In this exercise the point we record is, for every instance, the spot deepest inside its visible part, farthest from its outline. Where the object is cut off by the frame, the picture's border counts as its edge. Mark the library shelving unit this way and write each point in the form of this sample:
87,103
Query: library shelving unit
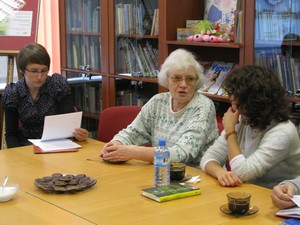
125,50
84,56
133,51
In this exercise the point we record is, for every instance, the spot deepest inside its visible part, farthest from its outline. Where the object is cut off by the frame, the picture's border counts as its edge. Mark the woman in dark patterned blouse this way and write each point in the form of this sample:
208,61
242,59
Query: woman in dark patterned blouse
36,95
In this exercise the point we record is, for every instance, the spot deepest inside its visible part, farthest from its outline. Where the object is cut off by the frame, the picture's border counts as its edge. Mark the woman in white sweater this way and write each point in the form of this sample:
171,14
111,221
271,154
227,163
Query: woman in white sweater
259,142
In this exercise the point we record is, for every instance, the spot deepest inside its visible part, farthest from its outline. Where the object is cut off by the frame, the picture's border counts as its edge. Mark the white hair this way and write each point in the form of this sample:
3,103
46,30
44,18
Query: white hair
178,60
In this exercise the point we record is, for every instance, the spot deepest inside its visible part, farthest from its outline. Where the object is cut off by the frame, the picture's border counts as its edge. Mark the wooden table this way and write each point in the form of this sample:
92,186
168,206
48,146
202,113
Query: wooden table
116,198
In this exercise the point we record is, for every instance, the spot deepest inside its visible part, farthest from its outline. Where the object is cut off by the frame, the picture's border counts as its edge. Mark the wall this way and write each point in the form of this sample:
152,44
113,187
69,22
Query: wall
48,32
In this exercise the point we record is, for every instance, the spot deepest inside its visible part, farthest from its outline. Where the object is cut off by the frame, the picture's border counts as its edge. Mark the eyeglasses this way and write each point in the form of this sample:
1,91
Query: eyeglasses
36,72
188,80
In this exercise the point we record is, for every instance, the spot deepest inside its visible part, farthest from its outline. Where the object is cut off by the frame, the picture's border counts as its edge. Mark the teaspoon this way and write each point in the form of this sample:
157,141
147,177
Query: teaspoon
4,183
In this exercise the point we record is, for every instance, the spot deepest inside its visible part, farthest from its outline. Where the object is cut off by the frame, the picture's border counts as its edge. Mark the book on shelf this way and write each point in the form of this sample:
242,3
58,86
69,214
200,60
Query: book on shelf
137,59
221,12
284,66
184,33
214,77
136,19
239,26
155,23
293,212
206,66
170,192
57,131
191,23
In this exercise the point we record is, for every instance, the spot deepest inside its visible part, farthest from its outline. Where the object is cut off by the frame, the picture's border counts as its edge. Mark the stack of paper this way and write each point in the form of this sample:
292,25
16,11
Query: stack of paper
57,130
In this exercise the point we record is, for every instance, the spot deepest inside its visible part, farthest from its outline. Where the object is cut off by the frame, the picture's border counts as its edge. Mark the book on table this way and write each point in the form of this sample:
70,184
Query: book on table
291,221
58,129
170,192
293,212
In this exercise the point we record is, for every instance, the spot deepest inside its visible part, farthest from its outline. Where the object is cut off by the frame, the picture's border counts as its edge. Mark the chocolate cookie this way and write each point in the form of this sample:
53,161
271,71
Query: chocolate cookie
64,182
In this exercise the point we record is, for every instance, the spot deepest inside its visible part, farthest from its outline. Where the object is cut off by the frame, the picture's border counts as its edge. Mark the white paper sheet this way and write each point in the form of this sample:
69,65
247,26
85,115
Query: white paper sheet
57,129
296,200
54,145
61,126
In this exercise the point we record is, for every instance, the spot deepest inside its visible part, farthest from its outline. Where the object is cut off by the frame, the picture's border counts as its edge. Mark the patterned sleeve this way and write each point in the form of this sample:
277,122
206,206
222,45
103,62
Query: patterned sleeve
9,97
59,87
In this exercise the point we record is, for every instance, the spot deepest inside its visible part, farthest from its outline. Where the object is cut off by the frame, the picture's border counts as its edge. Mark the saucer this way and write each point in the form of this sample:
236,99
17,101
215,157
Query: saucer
186,177
252,210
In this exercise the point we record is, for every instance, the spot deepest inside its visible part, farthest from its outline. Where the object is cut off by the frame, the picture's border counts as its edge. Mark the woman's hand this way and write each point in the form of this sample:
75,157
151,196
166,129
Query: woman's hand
108,147
114,152
281,195
230,119
229,179
225,178
80,134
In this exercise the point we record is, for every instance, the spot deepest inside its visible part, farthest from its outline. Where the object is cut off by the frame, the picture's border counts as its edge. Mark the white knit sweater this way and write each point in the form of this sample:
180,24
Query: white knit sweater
268,157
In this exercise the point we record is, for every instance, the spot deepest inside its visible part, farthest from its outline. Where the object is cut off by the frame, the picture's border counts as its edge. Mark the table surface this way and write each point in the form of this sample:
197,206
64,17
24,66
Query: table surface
116,198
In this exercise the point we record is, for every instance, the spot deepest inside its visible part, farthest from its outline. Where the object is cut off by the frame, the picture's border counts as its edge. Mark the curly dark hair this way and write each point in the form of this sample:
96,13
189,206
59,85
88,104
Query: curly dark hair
259,94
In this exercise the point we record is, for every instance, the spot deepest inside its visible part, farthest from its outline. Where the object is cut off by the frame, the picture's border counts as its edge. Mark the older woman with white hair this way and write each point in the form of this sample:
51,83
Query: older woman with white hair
183,117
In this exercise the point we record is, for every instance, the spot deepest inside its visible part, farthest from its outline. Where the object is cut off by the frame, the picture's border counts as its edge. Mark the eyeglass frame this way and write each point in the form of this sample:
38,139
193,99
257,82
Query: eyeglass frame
188,80
36,72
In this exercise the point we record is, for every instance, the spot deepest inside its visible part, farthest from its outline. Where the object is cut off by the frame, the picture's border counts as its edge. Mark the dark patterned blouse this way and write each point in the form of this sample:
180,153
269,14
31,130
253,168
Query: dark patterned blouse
25,117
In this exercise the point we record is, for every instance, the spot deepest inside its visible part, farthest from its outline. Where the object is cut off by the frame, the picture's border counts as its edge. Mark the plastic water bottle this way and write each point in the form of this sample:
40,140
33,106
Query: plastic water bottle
161,164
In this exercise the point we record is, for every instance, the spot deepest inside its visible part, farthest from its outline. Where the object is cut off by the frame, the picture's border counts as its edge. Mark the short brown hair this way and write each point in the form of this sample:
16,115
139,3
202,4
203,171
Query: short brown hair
32,54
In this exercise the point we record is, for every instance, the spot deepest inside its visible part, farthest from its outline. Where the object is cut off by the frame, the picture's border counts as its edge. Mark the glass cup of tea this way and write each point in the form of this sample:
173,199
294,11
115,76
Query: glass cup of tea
177,171
238,202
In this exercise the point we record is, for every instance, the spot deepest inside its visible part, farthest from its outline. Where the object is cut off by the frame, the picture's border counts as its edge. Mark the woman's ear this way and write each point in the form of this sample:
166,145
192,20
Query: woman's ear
21,72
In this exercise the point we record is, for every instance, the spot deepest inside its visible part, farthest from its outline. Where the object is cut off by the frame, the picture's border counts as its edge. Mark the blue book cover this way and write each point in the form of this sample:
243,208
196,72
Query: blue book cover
291,221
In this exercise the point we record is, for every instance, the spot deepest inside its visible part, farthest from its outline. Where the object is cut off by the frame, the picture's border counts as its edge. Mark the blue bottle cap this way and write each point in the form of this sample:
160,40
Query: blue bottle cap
161,142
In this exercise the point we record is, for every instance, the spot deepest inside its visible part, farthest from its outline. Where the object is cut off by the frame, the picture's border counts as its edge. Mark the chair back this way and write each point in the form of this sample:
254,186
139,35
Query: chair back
114,119
220,124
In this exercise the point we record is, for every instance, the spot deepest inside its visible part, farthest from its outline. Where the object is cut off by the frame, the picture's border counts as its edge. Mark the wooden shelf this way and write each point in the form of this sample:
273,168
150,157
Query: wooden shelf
205,44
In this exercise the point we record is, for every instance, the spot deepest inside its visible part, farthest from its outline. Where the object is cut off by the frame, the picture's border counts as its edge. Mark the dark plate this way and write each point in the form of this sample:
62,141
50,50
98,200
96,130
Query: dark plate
64,183
252,210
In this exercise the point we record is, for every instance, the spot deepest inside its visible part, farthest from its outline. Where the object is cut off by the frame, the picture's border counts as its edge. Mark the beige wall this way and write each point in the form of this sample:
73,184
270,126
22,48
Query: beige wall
48,32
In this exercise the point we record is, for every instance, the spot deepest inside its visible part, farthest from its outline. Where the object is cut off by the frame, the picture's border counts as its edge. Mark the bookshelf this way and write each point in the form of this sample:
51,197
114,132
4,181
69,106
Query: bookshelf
130,51
134,50
83,57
